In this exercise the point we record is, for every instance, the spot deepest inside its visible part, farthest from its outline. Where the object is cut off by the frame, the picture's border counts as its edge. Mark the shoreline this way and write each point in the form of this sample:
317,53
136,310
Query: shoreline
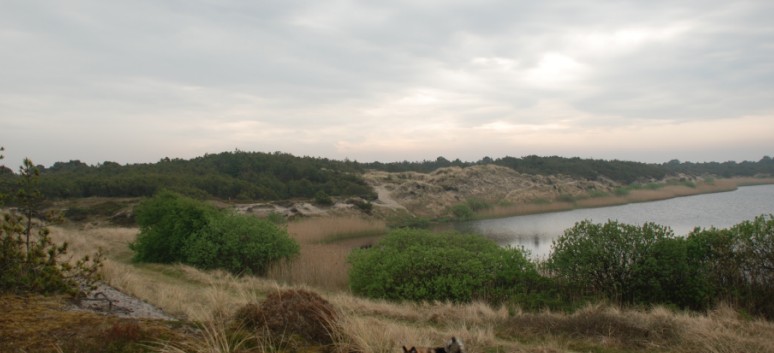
665,192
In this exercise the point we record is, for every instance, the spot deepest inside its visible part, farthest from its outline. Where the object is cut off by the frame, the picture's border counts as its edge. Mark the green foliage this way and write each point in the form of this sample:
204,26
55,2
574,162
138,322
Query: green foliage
363,205
229,175
462,212
411,264
566,198
605,258
322,198
277,218
740,262
670,274
174,228
167,221
238,244
648,265
29,260
404,219
476,204
765,166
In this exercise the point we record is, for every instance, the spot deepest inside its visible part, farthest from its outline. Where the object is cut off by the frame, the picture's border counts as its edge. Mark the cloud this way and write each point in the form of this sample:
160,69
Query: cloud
137,81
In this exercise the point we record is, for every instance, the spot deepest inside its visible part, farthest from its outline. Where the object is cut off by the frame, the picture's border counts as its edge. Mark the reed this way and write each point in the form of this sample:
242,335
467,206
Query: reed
316,230
325,245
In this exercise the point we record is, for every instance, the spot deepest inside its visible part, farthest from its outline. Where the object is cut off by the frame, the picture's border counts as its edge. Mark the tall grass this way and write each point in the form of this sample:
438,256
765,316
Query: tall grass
325,245
375,326
317,230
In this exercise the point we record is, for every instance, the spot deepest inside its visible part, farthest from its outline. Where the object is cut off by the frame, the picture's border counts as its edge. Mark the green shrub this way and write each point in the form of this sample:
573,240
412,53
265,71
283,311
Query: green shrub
462,212
321,198
671,274
604,258
238,244
403,219
411,264
166,222
174,228
566,198
363,205
476,204
739,263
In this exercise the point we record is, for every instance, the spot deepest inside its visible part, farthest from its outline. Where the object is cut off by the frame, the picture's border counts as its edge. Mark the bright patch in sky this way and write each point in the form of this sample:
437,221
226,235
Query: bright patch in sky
141,80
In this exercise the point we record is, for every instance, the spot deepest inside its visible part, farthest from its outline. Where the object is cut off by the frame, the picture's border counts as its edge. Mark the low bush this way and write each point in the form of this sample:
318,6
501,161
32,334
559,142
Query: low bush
294,312
739,263
411,264
606,258
238,244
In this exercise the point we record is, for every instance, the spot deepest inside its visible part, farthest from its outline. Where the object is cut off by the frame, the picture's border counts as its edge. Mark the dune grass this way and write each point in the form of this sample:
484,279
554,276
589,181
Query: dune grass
623,195
375,326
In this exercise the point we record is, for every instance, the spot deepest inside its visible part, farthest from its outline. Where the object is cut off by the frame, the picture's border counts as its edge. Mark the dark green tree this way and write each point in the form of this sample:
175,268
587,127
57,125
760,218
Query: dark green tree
29,259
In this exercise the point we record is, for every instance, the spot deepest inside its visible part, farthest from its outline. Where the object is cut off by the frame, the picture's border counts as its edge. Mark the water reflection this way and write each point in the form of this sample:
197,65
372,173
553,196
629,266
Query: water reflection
537,232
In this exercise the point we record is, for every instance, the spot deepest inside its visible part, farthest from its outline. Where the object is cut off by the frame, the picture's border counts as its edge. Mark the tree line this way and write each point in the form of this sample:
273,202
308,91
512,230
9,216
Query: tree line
229,175
243,175
625,172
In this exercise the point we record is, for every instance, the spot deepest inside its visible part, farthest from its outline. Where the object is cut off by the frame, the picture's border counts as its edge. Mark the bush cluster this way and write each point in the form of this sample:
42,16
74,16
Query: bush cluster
647,264
174,228
421,265
621,263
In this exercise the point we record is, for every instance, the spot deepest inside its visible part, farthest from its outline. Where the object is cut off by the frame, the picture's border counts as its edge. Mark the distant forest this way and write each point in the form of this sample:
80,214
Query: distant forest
242,175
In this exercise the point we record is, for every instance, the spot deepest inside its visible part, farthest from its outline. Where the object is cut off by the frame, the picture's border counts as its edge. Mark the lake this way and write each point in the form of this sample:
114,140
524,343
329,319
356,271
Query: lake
682,214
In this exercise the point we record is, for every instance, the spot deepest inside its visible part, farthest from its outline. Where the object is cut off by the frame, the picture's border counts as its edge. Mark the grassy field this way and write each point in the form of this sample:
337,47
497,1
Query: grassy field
205,300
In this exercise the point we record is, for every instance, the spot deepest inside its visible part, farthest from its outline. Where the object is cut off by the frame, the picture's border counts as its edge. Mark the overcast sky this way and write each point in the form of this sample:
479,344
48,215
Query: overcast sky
135,81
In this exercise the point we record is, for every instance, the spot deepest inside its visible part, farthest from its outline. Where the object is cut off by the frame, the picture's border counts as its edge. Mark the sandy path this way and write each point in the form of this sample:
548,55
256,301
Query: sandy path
385,199
121,305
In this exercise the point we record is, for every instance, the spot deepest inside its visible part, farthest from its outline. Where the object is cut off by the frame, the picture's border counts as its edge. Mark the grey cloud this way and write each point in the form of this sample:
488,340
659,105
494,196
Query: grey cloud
311,63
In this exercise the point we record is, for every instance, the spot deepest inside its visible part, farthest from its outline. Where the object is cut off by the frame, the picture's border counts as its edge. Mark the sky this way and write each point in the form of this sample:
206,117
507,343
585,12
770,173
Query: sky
135,81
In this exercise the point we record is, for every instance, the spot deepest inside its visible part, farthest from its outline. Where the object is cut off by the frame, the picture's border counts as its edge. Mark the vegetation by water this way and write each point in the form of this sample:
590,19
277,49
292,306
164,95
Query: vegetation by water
422,265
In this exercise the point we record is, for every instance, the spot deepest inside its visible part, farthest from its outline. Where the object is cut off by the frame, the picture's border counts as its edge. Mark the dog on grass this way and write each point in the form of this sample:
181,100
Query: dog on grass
453,346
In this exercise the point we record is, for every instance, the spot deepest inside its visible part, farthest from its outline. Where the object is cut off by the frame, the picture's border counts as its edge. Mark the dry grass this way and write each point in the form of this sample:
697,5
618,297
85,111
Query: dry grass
637,195
325,245
372,326
41,324
316,230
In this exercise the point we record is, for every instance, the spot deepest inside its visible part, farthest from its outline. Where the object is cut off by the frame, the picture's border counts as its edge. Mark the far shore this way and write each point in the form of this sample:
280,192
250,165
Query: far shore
639,195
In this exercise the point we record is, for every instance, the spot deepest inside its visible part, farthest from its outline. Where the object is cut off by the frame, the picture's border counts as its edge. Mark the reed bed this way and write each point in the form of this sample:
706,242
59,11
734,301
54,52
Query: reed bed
317,230
325,245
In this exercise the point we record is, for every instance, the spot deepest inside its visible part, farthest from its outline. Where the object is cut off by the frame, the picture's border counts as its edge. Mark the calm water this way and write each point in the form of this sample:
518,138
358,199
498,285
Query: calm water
682,214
